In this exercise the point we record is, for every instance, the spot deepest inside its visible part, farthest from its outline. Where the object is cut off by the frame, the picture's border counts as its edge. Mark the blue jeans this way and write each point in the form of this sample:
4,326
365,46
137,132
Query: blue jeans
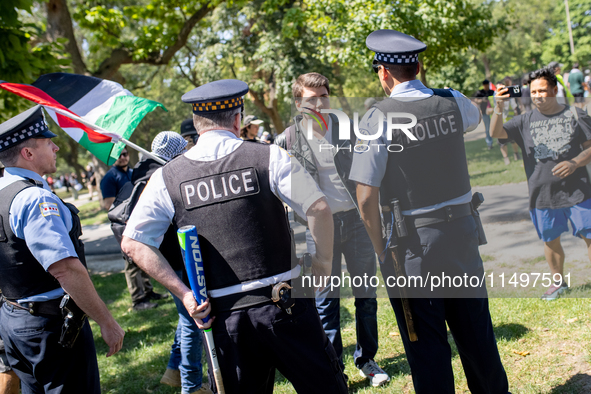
488,138
352,241
185,354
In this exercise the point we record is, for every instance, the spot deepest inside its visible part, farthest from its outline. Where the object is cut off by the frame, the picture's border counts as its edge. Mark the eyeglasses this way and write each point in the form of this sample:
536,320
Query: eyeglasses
124,154
376,66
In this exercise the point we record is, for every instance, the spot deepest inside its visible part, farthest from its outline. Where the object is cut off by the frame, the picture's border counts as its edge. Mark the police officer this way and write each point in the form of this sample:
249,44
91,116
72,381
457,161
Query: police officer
41,258
228,188
423,165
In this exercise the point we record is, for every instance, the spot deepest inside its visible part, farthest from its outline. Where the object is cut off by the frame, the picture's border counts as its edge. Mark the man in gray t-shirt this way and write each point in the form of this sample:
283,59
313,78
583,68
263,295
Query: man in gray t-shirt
556,144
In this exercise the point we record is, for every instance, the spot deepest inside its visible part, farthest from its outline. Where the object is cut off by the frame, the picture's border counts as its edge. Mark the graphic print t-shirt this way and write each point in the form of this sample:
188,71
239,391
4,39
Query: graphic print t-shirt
546,141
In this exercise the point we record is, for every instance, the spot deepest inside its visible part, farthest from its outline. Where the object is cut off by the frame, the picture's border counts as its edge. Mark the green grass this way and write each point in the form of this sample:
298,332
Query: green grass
91,213
486,167
556,334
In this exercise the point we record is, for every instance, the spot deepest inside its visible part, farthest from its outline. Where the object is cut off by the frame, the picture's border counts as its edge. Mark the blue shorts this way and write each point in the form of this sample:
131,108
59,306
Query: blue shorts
550,223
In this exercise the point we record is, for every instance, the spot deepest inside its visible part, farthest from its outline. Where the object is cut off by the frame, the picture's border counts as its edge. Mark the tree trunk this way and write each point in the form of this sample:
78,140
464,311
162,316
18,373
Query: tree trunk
59,25
486,63
424,74
272,111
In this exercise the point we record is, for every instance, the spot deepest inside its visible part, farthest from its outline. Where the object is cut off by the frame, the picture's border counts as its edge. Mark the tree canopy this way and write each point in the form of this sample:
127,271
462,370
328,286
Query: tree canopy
161,49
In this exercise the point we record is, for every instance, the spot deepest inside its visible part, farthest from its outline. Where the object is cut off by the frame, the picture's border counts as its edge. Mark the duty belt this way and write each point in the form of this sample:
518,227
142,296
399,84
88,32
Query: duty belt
51,307
445,214
246,299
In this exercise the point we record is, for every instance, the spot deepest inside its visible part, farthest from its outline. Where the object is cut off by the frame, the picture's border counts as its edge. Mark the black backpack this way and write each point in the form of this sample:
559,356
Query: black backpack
124,204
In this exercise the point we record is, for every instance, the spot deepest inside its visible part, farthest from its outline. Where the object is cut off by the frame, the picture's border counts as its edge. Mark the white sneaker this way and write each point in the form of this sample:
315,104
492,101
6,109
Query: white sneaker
377,376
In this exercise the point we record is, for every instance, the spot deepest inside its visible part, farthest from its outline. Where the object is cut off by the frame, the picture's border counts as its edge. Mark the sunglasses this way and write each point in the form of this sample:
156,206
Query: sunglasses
124,154
376,66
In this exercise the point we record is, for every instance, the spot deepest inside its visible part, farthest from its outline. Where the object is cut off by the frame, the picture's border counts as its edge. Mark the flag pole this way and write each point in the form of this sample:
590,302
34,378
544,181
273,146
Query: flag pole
113,136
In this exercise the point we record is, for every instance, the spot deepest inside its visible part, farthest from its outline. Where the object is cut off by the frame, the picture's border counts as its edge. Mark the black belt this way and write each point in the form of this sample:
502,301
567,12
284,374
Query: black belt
445,214
51,307
237,301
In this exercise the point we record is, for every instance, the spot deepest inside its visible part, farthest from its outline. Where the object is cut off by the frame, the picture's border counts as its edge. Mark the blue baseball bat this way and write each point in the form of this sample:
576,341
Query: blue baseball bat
194,264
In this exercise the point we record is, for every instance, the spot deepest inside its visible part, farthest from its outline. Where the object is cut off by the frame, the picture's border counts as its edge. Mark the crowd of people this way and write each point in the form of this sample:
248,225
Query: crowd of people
408,207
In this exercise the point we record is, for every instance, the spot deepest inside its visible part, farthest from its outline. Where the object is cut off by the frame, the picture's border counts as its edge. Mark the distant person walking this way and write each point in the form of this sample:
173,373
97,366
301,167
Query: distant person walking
486,109
575,84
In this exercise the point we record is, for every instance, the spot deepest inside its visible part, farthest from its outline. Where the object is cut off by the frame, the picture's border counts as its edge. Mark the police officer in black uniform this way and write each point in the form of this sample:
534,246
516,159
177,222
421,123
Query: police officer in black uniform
227,188
421,168
41,258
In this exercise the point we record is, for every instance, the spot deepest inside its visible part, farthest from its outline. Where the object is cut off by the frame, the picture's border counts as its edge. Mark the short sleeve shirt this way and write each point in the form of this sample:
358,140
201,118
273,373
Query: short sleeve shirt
546,141
40,218
114,180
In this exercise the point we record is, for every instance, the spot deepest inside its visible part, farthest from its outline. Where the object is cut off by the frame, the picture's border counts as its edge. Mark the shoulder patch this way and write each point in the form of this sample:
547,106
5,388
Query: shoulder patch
49,208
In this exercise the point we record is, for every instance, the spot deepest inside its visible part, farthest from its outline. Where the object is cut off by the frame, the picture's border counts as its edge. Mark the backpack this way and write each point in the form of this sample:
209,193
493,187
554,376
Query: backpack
123,206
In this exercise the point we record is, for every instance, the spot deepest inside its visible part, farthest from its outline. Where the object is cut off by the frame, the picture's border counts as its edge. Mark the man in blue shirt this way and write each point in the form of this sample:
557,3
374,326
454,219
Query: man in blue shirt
115,179
41,259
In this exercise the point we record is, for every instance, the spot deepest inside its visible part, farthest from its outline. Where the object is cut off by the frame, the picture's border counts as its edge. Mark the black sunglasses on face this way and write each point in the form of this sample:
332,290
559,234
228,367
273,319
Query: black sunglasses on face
123,154
376,67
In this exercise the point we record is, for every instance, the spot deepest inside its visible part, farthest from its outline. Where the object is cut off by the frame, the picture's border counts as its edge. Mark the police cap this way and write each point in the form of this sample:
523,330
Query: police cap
188,128
29,124
217,96
394,47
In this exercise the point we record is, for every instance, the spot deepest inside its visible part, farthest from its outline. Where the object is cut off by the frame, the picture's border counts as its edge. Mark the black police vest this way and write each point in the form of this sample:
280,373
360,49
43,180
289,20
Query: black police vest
243,231
432,169
21,274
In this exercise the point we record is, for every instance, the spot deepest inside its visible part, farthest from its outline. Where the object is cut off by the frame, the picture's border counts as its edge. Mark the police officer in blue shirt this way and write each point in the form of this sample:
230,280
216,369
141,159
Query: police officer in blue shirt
41,259
421,167
227,188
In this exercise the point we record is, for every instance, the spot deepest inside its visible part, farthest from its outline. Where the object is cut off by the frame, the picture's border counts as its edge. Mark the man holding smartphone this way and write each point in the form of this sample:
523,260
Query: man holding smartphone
556,141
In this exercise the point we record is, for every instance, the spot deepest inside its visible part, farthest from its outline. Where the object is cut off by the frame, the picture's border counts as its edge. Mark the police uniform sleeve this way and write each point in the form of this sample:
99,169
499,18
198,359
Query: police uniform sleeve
370,157
290,182
470,113
43,221
152,214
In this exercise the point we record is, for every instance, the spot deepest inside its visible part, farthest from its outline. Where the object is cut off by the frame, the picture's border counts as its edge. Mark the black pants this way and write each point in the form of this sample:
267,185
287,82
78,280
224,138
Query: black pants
252,342
451,248
138,282
43,365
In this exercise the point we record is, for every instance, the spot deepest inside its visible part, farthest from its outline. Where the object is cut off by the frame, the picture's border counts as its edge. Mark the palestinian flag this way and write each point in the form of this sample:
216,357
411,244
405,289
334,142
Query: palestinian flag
99,102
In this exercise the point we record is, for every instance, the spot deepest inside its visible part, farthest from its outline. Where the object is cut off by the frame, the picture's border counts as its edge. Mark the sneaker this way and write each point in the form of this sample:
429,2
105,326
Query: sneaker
516,156
144,304
156,296
377,376
554,292
507,161
171,377
202,390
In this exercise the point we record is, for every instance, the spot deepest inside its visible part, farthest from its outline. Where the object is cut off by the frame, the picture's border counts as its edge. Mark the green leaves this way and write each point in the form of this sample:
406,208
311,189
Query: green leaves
20,60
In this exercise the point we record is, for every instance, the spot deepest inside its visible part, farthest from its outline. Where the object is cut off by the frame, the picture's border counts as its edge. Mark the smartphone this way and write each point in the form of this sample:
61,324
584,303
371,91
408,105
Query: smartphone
514,90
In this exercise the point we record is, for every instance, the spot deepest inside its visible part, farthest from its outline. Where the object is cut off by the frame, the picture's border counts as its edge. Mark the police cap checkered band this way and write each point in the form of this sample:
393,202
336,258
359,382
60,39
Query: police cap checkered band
168,145
217,96
394,47
29,124
218,106
397,59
